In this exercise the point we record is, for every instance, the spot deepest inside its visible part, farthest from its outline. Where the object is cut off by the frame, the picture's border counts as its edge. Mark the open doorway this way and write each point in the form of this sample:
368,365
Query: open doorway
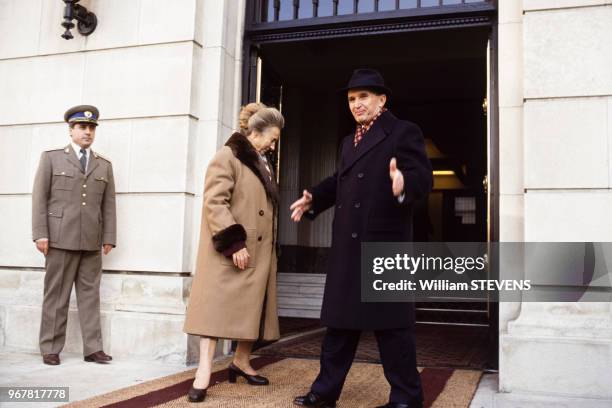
439,81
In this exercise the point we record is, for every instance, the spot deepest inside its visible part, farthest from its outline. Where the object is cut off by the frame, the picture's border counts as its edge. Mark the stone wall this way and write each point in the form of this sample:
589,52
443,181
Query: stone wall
556,175
166,78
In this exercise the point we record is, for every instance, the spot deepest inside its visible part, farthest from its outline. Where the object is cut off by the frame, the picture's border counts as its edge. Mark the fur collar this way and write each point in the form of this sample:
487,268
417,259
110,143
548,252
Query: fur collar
243,150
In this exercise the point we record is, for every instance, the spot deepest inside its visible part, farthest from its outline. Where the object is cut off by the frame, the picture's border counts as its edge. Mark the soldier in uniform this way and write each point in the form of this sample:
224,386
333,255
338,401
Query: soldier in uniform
73,221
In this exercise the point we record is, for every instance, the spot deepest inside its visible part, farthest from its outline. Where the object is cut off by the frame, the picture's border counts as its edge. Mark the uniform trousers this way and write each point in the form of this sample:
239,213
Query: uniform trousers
63,269
398,357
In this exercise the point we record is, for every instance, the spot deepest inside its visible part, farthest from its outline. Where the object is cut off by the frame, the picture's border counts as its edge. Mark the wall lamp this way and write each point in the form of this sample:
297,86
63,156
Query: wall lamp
86,20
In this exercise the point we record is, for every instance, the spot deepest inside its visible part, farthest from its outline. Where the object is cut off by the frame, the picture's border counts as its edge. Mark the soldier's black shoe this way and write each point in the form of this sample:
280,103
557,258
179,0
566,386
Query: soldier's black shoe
99,357
313,400
51,359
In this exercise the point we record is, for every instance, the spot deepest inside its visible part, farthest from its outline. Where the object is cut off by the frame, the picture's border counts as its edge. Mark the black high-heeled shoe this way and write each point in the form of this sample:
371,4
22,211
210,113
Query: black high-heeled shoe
196,394
251,379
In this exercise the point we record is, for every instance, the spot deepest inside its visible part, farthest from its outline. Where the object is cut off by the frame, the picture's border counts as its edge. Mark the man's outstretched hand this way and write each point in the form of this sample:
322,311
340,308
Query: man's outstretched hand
397,178
300,206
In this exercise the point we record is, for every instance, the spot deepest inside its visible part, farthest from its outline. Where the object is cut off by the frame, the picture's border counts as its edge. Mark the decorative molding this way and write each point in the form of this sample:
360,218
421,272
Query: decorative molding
356,30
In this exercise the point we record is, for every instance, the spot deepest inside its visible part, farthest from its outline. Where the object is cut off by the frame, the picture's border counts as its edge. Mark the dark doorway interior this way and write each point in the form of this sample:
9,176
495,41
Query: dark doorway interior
439,81
437,345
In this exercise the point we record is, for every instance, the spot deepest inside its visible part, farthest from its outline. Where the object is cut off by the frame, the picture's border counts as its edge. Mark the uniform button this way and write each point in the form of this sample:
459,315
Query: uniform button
84,195
339,205
360,175
63,173
259,238
354,235
261,212
84,185
357,205
84,203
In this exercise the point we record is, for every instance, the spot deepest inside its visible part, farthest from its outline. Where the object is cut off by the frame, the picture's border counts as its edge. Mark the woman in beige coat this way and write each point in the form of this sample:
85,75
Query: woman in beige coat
233,295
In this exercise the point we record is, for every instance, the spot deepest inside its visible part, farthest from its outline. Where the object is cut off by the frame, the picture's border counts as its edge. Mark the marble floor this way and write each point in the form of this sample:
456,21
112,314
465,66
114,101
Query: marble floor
83,379
487,396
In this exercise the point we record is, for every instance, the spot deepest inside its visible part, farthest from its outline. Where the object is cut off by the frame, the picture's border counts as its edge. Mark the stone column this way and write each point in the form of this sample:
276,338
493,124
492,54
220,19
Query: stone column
562,350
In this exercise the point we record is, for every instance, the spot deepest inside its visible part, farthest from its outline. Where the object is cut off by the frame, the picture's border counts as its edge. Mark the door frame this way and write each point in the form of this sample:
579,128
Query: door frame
399,21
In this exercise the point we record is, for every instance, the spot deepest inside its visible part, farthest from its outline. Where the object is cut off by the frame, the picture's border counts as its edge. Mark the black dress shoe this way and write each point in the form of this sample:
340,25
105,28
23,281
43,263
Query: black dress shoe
234,372
51,359
395,405
99,357
196,394
313,400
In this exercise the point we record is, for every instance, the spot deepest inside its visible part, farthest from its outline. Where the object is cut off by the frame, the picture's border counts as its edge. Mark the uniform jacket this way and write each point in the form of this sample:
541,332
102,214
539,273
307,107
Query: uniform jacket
367,211
74,210
239,205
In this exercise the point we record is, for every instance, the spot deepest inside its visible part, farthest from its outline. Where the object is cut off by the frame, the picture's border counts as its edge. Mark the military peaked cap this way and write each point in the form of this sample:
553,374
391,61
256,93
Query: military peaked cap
82,114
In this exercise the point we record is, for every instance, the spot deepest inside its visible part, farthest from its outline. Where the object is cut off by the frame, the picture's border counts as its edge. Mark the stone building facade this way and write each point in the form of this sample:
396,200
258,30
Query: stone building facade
167,79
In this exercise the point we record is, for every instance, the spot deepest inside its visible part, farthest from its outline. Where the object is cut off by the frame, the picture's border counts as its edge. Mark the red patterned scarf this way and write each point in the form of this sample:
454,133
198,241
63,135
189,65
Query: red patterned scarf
362,129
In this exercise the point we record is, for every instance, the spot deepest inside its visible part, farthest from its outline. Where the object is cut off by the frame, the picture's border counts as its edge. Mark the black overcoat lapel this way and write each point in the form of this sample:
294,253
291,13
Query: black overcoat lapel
377,133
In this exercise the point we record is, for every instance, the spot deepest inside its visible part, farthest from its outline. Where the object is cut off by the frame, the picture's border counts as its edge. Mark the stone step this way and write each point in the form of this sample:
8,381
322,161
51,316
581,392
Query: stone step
301,278
451,316
300,301
300,295
300,290
305,313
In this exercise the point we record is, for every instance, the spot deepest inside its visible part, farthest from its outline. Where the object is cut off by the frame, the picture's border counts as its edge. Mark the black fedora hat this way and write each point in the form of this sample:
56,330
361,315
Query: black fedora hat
367,79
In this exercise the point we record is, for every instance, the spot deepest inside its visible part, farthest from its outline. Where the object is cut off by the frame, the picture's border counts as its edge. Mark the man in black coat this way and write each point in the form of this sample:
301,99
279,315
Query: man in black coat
383,169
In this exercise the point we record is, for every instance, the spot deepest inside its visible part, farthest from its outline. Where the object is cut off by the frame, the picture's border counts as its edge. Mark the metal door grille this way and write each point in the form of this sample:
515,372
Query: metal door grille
287,10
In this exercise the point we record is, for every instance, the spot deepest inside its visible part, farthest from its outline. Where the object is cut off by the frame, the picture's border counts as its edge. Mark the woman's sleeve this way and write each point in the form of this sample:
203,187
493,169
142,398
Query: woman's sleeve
227,235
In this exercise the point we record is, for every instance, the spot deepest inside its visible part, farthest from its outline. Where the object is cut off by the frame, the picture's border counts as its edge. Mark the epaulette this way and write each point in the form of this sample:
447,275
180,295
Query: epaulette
99,156
54,150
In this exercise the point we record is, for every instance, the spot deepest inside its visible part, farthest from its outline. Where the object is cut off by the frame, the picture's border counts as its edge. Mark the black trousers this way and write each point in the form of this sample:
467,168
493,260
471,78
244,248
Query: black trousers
398,355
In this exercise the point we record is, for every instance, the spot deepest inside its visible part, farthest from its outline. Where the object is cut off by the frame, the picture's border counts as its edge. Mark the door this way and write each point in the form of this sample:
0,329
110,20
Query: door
491,184
266,87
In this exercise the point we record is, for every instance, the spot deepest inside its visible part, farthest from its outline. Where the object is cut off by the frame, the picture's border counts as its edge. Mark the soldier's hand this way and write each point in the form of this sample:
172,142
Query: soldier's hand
106,248
397,178
43,246
300,206
241,258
